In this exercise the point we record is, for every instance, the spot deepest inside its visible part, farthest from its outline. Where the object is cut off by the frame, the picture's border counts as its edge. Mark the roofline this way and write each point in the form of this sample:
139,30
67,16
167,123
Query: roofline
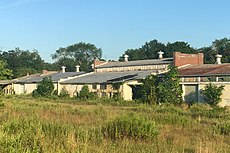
196,75
134,65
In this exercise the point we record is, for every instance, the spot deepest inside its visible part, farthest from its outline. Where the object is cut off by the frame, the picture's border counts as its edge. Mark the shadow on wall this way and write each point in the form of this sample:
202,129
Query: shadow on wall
192,97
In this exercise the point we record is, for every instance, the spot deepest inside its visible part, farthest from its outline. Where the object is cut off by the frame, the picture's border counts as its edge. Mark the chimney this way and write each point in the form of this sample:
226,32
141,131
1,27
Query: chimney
126,57
63,69
77,68
160,53
218,59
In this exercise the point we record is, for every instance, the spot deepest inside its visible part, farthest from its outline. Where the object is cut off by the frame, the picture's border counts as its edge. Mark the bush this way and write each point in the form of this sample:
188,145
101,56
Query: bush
130,126
44,88
85,94
224,128
64,93
213,94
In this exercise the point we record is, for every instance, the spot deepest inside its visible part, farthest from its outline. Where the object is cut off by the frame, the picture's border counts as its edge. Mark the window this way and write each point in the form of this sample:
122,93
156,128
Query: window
94,86
224,79
102,86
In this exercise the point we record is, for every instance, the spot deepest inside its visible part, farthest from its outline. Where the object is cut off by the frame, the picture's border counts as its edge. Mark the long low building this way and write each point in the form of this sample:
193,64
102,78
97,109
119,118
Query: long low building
103,83
194,78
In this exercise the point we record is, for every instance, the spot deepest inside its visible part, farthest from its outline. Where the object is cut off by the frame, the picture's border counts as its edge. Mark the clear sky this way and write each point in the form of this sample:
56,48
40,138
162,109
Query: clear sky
113,25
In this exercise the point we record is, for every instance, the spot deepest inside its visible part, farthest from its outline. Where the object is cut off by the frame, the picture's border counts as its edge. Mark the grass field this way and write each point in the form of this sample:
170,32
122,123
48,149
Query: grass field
46,125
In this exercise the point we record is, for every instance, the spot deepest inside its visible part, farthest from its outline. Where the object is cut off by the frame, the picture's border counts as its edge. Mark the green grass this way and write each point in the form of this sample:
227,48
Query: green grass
67,125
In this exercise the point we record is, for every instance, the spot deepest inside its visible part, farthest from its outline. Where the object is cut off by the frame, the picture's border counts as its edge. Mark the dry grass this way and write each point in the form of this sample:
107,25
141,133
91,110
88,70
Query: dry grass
45,125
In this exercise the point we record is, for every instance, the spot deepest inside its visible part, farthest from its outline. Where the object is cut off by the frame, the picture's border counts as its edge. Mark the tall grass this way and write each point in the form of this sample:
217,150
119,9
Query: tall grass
46,125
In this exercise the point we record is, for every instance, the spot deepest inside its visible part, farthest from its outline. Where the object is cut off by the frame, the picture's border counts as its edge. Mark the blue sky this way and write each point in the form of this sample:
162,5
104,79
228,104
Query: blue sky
113,25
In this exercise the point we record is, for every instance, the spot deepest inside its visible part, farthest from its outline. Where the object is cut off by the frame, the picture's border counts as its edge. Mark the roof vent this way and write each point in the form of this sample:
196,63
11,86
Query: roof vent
218,59
63,69
126,57
77,68
160,53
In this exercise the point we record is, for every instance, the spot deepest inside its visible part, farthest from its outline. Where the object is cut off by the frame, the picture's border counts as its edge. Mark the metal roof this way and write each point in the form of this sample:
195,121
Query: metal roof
5,82
205,70
109,77
136,63
55,77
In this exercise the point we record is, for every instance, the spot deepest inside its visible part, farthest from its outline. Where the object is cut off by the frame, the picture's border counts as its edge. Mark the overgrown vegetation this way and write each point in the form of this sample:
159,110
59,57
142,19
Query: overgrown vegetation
85,93
213,94
162,88
43,125
44,88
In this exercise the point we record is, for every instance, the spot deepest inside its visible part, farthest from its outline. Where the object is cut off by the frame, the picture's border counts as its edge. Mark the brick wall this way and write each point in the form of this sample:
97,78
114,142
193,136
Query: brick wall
98,62
180,59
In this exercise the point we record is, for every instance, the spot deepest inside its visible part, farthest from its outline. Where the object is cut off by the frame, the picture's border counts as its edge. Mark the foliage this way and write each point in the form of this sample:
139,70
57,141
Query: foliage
44,125
85,93
64,93
225,128
168,89
213,94
22,62
5,73
81,54
148,89
44,88
130,126
150,50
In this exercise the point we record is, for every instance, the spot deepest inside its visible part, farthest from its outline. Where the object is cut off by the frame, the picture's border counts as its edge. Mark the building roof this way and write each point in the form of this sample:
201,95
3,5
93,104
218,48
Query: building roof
205,70
55,77
136,63
109,77
5,82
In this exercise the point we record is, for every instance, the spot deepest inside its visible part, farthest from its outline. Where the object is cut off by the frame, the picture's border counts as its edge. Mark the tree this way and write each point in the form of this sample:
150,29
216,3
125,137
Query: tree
148,89
81,54
213,94
179,46
4,72
22,62
150,50
219,46
168,89
44,88
85,93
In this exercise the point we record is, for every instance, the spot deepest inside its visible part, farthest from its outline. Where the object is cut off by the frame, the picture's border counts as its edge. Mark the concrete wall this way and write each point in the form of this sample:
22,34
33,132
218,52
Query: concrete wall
180,59
192,91
27,88
162,67
126,92
72,89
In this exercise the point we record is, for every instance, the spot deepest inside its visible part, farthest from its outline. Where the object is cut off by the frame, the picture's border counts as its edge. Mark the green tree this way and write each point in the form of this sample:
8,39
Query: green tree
4,72
150,50
85,93
168,89
179,46
213,94
22,62
81,54
44,88
219,46
148,89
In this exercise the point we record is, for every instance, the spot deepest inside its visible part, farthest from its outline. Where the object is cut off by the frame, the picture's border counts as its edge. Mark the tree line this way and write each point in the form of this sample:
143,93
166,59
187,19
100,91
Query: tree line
16,63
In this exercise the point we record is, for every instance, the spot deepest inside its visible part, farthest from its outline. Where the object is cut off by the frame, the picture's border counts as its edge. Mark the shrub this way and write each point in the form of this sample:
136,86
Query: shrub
64,93
213,94
1,104
44,88
224,128
130,126
85,93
